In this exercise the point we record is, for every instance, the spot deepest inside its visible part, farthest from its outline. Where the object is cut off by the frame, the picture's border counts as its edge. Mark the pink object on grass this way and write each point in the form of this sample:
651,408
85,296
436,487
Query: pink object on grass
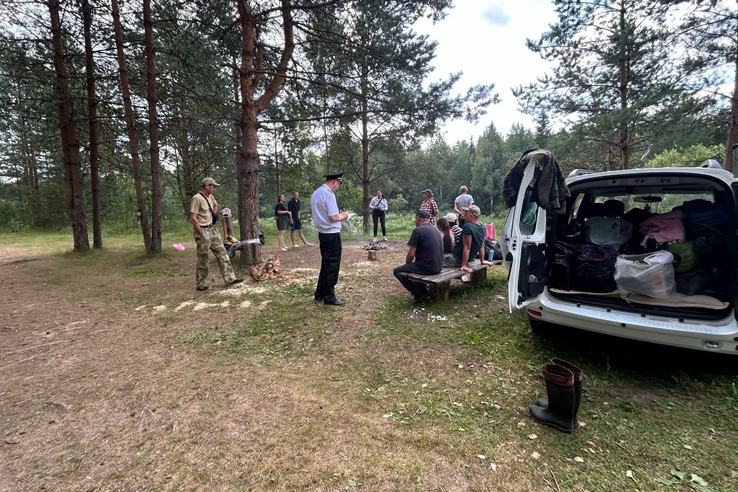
178,247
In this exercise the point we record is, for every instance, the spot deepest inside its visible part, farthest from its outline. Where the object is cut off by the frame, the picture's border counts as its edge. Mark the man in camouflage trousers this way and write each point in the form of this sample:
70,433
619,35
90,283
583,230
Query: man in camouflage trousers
202,217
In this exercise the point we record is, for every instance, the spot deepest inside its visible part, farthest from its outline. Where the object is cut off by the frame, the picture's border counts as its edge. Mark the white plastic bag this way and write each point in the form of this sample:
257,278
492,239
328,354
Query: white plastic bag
650,274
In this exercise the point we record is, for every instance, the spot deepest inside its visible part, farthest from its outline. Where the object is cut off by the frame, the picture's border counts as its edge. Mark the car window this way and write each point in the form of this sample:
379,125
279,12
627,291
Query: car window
657,203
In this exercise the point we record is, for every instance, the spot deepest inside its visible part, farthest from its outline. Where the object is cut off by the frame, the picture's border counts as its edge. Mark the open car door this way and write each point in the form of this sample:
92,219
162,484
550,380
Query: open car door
526,242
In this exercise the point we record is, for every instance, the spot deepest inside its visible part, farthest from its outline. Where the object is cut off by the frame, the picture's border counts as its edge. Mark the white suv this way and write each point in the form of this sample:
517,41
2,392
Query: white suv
540,275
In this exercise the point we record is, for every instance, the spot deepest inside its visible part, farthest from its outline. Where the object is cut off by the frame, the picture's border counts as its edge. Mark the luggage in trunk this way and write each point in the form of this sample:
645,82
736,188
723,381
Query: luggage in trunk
594,268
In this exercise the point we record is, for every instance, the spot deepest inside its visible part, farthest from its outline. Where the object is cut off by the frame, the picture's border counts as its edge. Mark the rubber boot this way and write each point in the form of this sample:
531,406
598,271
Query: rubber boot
560,390
578,376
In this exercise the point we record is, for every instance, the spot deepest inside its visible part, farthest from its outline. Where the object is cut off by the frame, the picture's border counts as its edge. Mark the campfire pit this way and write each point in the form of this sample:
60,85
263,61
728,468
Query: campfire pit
373,247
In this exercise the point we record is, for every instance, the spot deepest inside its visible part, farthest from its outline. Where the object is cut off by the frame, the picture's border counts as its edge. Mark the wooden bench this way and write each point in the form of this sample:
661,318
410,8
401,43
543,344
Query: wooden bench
440,283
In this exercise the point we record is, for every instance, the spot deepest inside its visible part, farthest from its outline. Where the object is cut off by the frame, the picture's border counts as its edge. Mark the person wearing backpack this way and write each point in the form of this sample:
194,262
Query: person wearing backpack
203,218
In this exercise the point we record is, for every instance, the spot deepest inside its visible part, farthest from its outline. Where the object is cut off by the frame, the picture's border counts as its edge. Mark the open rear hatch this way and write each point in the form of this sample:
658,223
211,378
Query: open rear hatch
613,215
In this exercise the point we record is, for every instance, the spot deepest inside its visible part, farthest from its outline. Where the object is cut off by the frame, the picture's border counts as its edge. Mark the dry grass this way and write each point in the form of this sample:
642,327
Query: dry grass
117,375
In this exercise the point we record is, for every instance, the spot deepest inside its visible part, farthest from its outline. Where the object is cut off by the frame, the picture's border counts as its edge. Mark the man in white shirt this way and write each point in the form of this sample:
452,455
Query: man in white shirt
327,220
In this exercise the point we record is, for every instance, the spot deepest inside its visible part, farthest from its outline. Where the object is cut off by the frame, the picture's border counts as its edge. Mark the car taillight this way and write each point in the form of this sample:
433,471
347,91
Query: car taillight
538,313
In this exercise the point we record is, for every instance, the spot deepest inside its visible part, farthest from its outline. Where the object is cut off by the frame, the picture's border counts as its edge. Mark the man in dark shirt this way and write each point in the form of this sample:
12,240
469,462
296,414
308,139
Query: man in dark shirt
294,207
426,248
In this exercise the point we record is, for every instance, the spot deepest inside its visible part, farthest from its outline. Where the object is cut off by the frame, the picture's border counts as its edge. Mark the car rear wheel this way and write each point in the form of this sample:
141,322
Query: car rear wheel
539,327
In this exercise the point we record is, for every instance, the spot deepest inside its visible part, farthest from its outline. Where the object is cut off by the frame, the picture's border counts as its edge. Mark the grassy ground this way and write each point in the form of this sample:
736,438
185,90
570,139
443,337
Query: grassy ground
117,375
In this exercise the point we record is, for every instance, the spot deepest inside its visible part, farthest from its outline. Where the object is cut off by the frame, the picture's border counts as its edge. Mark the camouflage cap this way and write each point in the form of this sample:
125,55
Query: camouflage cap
472,209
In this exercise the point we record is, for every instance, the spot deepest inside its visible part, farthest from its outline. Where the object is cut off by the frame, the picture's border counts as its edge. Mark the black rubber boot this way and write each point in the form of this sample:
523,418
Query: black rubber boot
560,389
578,376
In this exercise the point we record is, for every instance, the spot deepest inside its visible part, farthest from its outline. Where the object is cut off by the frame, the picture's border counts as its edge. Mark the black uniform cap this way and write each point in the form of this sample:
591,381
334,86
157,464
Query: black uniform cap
334,175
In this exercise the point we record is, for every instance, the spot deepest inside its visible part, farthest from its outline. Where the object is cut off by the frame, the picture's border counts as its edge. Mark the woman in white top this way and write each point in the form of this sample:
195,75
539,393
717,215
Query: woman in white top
378,206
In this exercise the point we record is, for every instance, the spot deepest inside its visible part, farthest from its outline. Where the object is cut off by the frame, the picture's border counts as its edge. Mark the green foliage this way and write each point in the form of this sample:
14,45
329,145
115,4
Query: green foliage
398,203
615,74
690,156
356,60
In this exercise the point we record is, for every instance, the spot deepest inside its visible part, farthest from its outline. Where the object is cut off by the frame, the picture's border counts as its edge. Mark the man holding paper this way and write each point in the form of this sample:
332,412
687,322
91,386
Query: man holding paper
327,219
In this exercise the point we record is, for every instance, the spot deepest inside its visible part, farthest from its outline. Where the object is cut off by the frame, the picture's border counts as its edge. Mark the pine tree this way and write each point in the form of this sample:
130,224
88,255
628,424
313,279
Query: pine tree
711,33
616,72
371,67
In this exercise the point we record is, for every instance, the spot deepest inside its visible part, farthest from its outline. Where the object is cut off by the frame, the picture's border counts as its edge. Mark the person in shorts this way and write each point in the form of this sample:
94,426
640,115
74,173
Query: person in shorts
294,207
284,219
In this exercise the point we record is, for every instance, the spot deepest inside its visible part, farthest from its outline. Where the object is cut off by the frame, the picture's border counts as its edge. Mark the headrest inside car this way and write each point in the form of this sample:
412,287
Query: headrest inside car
613,208
593,210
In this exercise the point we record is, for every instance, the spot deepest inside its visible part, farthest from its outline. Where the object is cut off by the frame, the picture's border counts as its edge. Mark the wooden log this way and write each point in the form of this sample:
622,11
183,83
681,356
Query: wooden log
479,276
439,292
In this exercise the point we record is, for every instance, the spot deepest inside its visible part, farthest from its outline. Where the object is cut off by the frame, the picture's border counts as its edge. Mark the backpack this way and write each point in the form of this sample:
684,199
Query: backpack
594,268
685,258
492,247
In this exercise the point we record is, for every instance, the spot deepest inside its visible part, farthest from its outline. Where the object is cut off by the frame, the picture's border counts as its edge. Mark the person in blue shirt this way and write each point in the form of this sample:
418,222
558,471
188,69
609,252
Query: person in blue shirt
327,220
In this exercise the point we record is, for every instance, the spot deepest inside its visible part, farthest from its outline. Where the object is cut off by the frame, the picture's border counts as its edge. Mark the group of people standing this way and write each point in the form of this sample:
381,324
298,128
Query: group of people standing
288,217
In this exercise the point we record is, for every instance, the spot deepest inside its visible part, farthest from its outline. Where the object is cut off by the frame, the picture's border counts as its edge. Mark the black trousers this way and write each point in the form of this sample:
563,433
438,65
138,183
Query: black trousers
418,290
330,264
378,215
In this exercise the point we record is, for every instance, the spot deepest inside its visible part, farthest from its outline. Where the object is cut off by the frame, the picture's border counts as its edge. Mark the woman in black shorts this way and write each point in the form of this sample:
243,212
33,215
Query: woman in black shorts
284,219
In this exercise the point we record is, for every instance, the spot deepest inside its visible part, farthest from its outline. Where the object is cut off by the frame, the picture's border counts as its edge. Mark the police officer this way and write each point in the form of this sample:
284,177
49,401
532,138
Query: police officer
327,220
203,219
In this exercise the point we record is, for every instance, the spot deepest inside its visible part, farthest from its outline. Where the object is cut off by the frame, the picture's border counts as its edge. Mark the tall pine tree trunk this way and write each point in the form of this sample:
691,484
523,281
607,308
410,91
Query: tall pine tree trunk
277,184
156,194
185,172
132,136
733,129
248,155
250,74
75,204
92,123
624,76
365,177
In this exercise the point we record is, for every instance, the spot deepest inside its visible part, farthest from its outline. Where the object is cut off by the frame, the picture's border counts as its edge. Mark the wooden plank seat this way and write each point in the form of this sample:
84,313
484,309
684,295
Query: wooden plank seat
440,283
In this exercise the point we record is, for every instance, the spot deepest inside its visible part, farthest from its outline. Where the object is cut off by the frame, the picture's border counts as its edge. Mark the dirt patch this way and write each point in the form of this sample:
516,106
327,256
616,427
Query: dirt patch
94,396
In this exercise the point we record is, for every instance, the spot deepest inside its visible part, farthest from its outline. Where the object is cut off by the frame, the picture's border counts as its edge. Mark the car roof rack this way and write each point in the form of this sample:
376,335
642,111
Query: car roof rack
711,163
580,172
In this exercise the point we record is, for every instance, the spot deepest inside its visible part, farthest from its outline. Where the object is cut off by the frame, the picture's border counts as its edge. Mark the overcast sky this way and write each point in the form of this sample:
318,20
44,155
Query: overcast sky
486,41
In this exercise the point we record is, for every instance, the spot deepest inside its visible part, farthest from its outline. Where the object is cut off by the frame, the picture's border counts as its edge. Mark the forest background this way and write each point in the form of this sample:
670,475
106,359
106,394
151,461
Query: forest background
111,114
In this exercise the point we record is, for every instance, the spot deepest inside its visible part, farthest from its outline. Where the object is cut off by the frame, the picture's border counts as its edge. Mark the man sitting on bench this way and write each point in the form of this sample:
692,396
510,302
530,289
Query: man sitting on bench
426,248
472,241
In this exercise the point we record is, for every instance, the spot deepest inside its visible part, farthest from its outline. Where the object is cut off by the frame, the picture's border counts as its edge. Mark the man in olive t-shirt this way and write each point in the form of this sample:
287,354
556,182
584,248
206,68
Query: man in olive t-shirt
426,248
472,242
202,217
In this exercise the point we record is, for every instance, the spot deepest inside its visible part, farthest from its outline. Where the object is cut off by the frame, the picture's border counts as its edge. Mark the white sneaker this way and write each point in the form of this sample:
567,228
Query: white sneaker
295,245
385,238
375,239
285,249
